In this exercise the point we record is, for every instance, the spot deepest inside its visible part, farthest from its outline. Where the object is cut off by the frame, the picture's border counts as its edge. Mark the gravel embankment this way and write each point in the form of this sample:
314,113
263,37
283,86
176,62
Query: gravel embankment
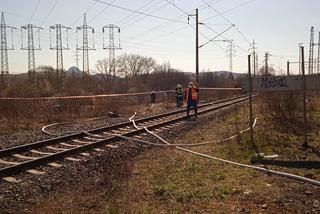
23,196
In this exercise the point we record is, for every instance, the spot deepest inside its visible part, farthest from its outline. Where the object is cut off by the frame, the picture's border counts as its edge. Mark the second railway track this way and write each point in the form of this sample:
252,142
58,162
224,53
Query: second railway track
17,159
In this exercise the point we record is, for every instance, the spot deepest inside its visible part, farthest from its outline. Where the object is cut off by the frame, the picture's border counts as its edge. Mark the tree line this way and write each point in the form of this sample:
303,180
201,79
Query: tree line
128,73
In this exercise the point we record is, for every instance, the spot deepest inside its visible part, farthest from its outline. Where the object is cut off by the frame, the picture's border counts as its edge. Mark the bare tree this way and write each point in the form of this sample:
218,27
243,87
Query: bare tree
102,67
133,65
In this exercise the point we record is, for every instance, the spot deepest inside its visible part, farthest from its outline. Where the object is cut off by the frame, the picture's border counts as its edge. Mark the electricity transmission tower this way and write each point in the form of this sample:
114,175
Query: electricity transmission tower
4,49
231,54
255,56
311,50
85,44
30,30
59,46
114,44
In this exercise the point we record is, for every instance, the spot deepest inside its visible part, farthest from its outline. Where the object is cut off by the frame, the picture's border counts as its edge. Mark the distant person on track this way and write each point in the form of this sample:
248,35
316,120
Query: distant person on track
179,95
191,95
153,97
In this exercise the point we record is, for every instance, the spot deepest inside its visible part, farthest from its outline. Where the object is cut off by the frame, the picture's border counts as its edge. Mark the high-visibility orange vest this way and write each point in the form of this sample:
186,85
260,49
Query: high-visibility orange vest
194,94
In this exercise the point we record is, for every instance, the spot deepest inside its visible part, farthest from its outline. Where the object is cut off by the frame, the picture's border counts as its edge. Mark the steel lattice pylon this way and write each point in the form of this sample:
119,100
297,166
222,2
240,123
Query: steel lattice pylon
112,46
4,49
59,45
85,44
30,30
311,50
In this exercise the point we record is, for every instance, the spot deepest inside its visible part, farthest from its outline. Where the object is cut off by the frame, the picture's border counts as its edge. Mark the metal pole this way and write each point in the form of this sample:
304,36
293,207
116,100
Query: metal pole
311,51
305,143
266,63
254,64
288,68
300,44
197,47
318,62
250,101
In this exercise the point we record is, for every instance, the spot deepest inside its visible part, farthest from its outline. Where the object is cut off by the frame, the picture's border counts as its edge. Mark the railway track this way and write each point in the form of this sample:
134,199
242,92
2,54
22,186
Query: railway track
25,157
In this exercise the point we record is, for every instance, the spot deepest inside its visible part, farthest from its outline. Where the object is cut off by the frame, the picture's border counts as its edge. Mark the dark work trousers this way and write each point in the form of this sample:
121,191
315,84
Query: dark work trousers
194,104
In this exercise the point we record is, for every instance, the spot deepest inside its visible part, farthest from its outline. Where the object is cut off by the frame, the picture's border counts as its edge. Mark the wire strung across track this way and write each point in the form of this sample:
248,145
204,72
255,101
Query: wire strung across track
178,146
20,158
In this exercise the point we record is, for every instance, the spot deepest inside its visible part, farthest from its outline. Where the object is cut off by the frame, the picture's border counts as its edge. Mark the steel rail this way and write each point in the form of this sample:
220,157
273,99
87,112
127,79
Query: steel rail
15,169
39,144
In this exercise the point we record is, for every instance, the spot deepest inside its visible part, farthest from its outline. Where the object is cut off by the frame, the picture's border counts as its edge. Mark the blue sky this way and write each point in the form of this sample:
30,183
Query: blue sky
276,25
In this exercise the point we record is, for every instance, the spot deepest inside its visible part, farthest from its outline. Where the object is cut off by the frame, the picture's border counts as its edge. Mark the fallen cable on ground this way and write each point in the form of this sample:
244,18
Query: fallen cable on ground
268,171
184,144
44,128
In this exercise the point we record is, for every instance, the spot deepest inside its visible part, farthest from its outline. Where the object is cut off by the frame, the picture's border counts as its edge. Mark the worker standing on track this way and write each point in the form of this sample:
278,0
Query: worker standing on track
179,95
192,98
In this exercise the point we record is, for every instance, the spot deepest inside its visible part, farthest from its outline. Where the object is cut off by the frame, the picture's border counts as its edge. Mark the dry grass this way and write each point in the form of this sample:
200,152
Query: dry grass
171,181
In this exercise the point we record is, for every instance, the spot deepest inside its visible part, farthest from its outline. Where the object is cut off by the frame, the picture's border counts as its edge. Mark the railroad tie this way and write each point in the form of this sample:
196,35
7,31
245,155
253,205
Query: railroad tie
94,135
99,150
40,153
24,157
85,154
92,139
53,164
81,142
106,133
68,145
112,146
139,137
35,172
11,180
116,131
8,162
73,159
56,149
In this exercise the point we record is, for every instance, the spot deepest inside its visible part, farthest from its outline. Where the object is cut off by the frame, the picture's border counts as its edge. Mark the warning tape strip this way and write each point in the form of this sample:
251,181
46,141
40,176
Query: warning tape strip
109,95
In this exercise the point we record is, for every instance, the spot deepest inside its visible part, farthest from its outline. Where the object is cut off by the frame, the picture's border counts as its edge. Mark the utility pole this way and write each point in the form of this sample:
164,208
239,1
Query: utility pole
257,64
4,50
85,44
197,43
305,143
300,45
253,47
288,68
311,50
266,69
230,52
59,45
112,46
318,58
31,47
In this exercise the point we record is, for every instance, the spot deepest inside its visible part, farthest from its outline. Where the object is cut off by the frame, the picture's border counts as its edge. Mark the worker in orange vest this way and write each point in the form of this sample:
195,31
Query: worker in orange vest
192,98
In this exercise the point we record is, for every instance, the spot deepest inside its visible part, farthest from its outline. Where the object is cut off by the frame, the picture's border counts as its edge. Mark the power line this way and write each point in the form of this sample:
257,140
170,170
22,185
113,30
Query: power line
50,11
231,9
138,12
86,11
166,24
98,14
132,14
35,10
155,10
225,18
